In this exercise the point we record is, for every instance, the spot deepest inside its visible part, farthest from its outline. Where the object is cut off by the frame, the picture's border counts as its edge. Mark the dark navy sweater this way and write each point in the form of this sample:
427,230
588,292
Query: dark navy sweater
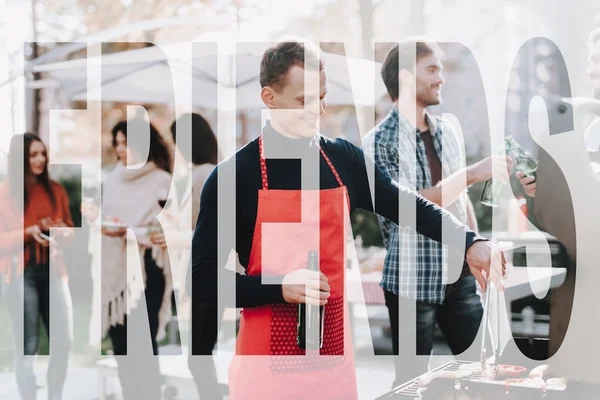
285,173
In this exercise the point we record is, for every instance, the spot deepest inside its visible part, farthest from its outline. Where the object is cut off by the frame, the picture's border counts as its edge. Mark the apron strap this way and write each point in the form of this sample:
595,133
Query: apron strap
335,173
263,165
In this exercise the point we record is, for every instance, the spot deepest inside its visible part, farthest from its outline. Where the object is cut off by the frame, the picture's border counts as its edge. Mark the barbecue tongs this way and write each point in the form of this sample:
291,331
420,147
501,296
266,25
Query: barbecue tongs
486,327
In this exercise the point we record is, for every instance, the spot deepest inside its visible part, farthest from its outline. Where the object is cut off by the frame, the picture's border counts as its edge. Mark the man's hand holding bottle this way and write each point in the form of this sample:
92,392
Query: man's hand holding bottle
304,286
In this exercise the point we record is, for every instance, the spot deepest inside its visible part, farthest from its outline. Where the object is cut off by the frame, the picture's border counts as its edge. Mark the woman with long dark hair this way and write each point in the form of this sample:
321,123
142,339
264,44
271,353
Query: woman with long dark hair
202,159
32,269
204,319
134,194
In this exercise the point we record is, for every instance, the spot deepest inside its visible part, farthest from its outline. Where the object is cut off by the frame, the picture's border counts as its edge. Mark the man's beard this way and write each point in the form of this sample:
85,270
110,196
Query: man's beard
428,99
434,102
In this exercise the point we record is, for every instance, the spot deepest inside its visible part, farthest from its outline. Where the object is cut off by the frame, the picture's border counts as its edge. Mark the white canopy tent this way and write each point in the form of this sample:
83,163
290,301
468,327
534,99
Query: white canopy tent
154,74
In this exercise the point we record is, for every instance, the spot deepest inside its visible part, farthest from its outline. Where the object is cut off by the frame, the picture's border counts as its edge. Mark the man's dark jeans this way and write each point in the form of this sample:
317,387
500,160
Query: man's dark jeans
459,318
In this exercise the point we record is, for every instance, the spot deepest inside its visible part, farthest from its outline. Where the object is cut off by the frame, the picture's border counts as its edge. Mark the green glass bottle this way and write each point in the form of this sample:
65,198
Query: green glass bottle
522,161
310,317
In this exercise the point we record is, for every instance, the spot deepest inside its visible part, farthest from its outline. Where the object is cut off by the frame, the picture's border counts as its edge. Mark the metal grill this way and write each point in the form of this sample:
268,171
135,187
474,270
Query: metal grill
410,388
481,389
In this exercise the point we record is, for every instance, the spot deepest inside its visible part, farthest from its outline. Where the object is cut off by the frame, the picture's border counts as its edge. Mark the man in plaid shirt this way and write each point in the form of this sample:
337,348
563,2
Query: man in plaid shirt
407,145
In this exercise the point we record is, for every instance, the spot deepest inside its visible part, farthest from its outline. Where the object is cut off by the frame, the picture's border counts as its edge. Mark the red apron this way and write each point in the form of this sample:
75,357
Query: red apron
268,363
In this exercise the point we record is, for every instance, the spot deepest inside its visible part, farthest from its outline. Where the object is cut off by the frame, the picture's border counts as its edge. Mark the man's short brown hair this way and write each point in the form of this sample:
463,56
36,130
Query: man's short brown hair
400,57
278,59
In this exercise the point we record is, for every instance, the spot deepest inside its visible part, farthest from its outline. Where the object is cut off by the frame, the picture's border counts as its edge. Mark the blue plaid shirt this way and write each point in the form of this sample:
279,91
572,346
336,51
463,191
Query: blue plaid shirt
396,147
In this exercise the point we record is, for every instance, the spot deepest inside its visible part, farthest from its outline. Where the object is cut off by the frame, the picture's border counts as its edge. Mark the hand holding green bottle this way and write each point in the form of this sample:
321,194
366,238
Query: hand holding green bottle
523,162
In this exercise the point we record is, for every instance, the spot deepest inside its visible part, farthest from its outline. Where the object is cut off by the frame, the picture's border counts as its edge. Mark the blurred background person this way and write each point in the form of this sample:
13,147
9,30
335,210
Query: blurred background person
593,69
552,192
134,193
204,318
32,269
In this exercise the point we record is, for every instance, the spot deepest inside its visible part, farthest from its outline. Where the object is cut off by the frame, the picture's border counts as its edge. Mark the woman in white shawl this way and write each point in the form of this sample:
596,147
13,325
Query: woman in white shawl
134,194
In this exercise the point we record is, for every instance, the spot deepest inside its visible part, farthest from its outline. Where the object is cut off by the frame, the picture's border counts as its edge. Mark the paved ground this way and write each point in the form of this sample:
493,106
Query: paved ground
375,375
374,378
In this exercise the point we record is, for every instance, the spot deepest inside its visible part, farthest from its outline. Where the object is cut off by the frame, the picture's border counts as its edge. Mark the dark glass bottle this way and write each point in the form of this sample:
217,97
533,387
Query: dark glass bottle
310,317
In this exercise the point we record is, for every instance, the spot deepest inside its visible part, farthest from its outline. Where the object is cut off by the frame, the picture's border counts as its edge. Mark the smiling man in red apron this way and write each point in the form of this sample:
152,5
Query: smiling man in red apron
281,215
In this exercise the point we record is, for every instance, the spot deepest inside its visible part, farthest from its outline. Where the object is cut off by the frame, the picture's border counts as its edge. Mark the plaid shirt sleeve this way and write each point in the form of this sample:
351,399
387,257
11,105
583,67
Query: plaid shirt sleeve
382,148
